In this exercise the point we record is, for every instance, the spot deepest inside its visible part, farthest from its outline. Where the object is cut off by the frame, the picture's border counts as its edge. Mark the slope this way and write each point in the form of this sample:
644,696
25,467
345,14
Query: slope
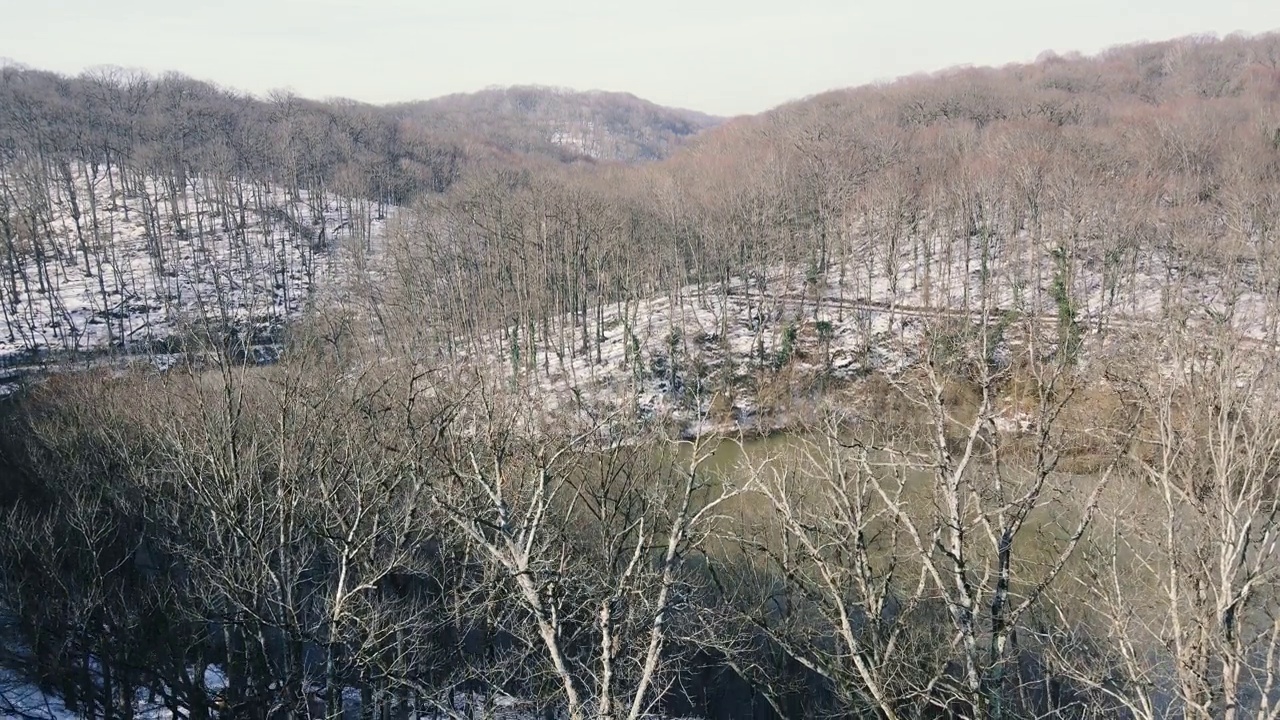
560,123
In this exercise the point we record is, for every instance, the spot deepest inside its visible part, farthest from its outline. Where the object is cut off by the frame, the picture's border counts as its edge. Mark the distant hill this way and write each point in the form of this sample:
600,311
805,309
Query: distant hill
560,123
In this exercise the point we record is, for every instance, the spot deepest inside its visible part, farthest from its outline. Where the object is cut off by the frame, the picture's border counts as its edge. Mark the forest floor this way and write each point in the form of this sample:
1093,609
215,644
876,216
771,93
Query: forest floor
152,265
755,358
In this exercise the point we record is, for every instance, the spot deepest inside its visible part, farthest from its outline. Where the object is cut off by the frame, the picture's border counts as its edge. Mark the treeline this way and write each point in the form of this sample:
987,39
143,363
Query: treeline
162,125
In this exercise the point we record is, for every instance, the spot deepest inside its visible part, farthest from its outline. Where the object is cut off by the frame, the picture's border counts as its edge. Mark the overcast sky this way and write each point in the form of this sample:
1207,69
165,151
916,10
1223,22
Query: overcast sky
718,56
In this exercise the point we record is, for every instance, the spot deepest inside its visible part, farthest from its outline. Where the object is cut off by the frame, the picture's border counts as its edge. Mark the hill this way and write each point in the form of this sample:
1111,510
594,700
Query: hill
131,205
561,123
1127,196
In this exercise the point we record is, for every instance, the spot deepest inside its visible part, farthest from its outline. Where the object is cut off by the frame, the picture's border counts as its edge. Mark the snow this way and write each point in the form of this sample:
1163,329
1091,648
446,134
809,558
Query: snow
19,700
23,701
580,136
851,321
135,289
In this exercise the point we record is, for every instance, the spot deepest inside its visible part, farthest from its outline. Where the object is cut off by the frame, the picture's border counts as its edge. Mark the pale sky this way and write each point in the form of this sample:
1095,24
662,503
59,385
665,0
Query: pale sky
720,56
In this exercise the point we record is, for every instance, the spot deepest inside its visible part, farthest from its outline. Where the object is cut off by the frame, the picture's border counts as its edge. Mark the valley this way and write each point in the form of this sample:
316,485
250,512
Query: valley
955,396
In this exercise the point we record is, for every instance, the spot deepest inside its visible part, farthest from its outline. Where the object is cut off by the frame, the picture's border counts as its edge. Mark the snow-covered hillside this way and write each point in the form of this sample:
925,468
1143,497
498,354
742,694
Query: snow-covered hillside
104,267
157,263
740,357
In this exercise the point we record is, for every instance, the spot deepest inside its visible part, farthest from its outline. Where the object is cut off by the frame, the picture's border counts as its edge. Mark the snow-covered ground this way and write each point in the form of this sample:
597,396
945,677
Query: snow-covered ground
580,136
23,701
155,262
20,700
748,359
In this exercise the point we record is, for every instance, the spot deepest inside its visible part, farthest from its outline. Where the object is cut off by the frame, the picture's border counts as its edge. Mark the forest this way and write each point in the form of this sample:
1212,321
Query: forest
946,397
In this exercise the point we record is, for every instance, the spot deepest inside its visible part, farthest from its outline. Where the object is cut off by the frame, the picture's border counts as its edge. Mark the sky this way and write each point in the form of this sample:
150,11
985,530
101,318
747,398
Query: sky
725,57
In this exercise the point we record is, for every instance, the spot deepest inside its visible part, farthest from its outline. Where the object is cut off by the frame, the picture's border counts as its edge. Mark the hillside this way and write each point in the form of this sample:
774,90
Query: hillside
1124,196
136,209
139,212
561,123
141,267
